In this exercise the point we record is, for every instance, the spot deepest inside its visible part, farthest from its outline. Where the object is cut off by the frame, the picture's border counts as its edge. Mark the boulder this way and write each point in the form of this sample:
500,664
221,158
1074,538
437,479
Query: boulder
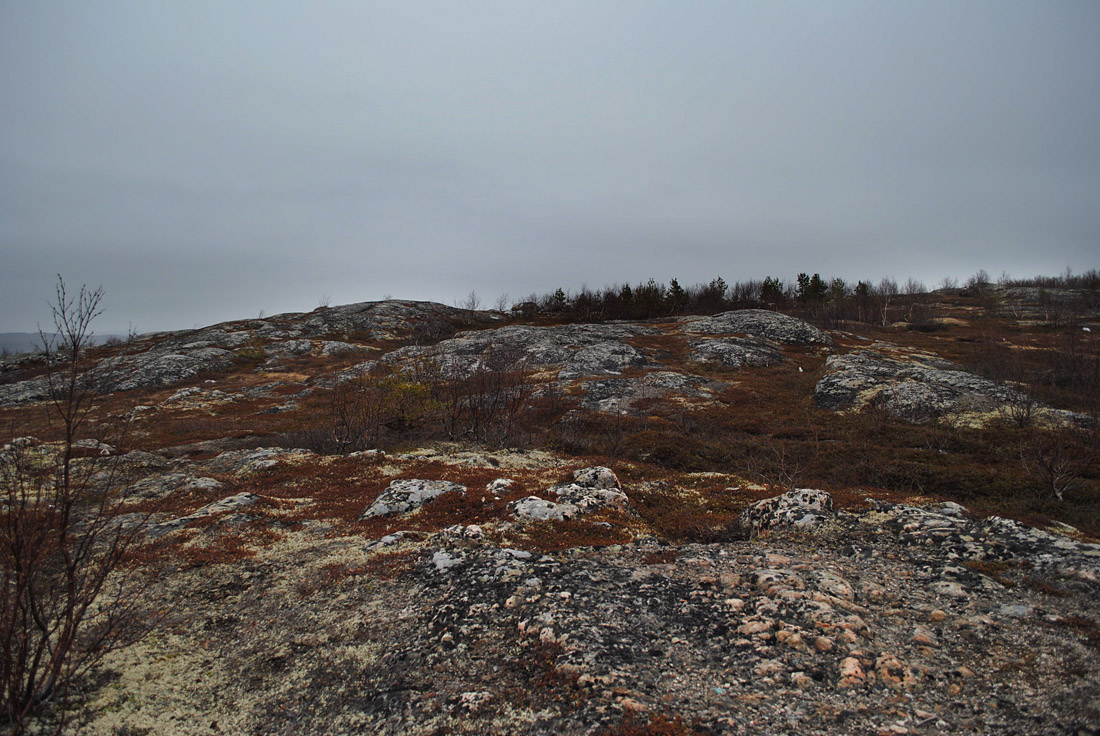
801,508
597,476
499,486
592,489
403,496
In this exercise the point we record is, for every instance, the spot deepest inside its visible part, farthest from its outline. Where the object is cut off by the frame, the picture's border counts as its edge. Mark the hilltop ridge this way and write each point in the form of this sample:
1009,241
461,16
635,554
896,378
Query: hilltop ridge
405,517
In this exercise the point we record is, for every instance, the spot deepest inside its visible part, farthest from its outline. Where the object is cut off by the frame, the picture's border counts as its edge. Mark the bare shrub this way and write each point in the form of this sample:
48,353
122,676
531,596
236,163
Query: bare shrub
487,406
1057,459
66,596
425,399
779,464
366,411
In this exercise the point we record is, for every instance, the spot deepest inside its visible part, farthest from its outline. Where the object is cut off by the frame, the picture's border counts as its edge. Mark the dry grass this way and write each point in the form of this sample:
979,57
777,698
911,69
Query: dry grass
655,724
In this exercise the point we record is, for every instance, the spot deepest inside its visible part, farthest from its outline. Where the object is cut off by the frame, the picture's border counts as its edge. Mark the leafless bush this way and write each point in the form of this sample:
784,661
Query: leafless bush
1058,458
780,464
366,411
425,399
1020,409
485,403
66,597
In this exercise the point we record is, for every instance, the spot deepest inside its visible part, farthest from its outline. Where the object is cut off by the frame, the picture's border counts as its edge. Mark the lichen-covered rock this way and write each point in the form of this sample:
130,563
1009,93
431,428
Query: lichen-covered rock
907,384
619,395
597,476
94,445
802,508
498,486
534,508
250,461
760,323
24,392
386,319
336,347
592,489
161,486
148,371
577,350
231,503
403,496
289,348
890,598
587,500
736,352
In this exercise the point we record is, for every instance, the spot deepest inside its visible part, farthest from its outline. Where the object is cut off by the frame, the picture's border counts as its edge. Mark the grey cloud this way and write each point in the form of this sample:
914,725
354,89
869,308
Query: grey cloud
204,161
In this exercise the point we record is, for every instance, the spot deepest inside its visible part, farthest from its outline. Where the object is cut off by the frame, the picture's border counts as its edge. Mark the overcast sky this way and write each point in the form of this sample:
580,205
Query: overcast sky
203,161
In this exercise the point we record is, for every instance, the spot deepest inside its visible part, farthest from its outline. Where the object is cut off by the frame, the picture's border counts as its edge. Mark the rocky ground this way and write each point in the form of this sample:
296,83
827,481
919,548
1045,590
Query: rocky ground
453,588
880,619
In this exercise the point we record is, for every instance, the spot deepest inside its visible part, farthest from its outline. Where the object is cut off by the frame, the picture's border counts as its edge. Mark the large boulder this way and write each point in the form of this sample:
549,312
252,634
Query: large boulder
802,508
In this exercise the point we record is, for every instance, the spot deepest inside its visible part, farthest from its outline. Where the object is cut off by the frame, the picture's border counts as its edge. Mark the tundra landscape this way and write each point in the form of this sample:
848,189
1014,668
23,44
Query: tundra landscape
805,508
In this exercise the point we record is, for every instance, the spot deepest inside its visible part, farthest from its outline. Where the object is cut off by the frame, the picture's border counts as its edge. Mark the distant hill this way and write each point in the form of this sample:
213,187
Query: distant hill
12,343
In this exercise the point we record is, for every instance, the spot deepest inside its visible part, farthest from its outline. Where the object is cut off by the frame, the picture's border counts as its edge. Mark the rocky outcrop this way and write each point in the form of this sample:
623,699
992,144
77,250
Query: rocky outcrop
534,508
162,359
150,371
392,318
230,503
887,618
761,323
164,485
403,496
907,384
24,392
736,352
243,462
575,350
619,395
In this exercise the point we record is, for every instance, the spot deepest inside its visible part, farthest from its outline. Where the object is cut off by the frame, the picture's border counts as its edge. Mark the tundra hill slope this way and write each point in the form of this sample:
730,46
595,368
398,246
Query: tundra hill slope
401,517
